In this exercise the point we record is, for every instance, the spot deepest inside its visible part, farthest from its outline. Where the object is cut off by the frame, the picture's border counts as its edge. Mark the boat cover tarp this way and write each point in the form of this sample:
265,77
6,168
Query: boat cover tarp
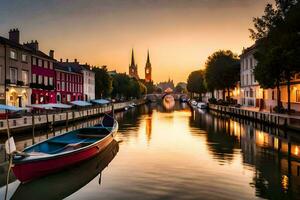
81,103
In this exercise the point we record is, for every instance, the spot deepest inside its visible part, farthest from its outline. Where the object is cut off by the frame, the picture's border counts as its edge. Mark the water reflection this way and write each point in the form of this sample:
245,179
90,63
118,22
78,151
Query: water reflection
274,158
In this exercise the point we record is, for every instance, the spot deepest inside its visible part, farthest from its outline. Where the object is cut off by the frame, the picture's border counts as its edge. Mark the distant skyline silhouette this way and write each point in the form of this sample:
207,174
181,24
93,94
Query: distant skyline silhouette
180,34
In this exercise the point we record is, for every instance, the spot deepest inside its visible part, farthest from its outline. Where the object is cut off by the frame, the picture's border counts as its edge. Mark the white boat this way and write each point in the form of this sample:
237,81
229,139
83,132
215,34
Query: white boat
202,105
194,103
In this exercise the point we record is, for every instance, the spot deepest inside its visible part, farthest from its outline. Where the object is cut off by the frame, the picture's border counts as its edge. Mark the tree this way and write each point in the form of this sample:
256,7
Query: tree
150,87
103,82
277,43
195,82
127,87
268,71
222,71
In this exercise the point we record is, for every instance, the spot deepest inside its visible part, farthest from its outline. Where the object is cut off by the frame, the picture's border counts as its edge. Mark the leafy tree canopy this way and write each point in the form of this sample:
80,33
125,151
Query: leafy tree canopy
196,83
222,70
103,82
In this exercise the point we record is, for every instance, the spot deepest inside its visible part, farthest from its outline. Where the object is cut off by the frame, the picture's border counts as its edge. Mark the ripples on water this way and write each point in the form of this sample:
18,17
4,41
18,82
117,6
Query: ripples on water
179,154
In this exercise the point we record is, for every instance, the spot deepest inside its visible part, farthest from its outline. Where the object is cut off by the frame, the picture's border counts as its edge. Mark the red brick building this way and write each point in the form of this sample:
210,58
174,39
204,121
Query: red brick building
68,81
42,75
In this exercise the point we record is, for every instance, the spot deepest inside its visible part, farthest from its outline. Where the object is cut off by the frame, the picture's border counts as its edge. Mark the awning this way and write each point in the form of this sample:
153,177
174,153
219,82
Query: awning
81,103
100,101
10,108
41,106
59,105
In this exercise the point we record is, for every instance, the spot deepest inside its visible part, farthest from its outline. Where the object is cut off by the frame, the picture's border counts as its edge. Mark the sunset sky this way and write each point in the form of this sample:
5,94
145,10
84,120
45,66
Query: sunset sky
180,34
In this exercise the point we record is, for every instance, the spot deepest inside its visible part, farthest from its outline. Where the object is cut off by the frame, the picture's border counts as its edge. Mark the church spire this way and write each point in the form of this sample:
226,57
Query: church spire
148,57
132,58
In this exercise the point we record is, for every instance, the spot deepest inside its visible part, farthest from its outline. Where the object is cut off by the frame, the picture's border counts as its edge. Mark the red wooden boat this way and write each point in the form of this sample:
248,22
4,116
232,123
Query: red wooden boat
62,151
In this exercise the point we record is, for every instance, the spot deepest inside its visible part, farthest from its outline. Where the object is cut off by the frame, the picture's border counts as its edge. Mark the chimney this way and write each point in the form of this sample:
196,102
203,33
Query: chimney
14,35
75,60
61,60
34,45
51,53
67,60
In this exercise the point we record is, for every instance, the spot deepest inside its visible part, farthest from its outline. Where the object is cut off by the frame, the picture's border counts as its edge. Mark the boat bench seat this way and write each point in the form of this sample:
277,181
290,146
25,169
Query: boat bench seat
74,141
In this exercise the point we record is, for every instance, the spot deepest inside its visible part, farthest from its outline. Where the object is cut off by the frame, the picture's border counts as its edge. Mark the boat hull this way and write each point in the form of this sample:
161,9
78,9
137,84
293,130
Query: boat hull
28,171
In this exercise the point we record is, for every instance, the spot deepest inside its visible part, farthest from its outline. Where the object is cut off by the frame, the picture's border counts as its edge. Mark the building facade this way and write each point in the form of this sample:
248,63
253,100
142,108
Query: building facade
148,69
133,68
252,95
43,75
68,82
15,71
88,82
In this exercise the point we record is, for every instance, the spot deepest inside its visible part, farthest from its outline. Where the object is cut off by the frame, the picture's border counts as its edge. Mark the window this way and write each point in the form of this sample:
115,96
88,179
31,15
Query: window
45,80
40,62
50,65
45,64
34,61
57,75
25,77
13,75
297,95
13,54
63,86
33,78
40,79
273,95
58,86
58,98
68,97
24,58
51,81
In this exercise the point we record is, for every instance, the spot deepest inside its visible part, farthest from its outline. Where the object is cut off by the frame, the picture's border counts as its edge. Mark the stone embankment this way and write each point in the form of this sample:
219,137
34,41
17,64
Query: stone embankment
54,118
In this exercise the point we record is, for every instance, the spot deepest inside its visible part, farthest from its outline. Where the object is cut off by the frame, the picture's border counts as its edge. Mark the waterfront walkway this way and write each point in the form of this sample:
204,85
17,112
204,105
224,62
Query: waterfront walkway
63,117
280,120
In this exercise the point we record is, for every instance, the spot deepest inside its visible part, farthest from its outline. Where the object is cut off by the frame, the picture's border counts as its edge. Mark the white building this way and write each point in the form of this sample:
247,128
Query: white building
252,95
88,82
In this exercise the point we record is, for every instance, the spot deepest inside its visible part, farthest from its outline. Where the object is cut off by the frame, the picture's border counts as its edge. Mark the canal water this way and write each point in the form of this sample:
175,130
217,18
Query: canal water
176,153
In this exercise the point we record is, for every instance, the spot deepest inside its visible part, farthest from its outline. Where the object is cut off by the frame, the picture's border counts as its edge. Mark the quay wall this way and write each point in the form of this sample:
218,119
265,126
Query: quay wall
274,119
58,118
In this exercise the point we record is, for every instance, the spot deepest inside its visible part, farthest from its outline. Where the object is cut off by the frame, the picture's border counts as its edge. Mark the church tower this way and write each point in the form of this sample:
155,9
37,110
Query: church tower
133,70
148,69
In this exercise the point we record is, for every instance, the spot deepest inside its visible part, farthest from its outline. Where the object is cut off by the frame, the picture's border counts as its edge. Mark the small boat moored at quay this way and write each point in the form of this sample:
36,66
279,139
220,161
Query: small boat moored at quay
202,105
62,151
71,179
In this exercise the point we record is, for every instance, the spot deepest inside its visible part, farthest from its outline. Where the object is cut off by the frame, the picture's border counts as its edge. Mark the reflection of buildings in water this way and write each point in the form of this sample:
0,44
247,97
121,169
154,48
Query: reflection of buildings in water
274,159
148,128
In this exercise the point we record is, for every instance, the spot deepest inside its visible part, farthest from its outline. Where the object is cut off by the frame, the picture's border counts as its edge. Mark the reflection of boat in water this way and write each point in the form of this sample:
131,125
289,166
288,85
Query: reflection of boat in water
65,183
